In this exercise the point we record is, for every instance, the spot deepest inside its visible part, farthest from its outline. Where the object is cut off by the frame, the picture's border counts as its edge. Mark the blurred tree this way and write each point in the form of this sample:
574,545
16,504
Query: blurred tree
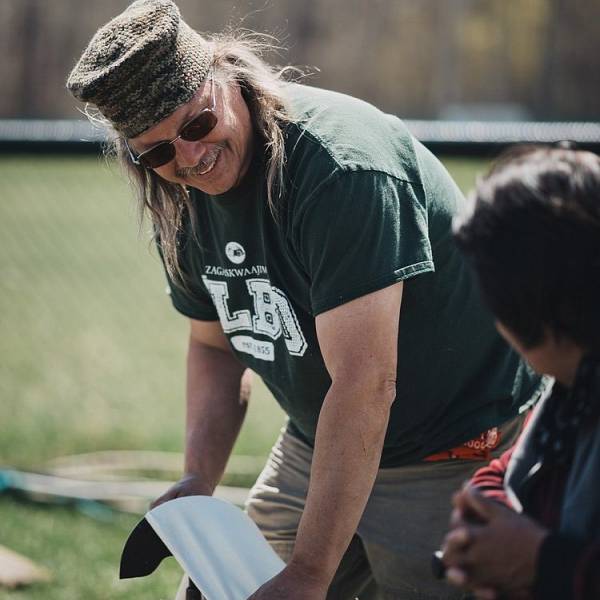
413,58
569,80
29,41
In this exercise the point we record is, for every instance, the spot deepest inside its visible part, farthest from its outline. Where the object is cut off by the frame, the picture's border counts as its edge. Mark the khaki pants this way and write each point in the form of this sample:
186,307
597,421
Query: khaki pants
404,521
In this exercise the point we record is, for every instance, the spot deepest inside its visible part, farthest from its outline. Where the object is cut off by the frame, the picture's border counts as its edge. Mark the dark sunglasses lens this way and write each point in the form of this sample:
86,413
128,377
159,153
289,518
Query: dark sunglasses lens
159,155
202,125
195,130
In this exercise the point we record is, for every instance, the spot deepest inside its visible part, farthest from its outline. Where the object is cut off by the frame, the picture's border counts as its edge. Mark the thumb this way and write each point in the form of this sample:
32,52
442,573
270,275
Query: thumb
168,495
474,504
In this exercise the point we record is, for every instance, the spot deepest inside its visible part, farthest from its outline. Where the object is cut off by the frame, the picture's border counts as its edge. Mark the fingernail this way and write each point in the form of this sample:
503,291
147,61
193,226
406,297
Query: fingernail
456,576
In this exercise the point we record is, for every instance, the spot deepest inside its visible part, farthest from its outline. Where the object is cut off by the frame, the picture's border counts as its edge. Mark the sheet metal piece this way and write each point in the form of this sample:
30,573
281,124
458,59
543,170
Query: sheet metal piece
216,544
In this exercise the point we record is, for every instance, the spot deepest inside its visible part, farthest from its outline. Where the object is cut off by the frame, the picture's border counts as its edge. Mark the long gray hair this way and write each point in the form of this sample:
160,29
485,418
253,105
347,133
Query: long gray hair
237,58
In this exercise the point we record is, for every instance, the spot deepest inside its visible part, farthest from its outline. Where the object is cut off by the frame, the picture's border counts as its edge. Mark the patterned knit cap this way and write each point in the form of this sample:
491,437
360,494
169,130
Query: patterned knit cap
141,66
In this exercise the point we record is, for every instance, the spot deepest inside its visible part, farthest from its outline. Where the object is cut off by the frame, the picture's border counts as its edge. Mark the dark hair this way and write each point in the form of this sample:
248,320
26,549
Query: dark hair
533,238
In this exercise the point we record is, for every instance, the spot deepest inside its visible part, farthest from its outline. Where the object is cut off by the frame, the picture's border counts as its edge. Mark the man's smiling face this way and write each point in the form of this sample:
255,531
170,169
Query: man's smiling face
216,163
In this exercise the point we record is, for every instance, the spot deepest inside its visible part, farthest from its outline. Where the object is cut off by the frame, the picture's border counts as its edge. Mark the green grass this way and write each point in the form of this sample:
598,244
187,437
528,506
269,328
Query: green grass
82,554
91,352
91,358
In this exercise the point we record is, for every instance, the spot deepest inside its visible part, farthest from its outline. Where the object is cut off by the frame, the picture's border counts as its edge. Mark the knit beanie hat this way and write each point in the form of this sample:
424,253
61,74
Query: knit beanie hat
141,66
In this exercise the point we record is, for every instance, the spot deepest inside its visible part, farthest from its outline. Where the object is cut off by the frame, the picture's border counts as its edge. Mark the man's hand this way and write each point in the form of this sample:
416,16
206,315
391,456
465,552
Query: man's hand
189,485
491,550
292,584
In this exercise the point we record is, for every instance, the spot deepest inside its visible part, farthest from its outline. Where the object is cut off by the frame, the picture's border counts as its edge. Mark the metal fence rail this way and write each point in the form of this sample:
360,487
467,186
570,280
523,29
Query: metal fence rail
453,137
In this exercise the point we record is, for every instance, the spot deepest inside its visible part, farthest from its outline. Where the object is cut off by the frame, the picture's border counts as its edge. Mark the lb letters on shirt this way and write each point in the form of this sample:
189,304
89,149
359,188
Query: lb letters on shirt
272,316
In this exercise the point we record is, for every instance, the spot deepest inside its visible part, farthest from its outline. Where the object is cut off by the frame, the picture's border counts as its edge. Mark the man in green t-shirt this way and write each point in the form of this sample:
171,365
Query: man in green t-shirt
306,235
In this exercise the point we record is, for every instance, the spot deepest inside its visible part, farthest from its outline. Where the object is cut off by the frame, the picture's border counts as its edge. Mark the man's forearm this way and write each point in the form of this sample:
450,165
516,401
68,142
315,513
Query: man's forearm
216,406
348,446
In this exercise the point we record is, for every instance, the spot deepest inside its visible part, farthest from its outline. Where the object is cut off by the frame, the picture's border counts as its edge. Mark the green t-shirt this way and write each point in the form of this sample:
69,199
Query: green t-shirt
365,206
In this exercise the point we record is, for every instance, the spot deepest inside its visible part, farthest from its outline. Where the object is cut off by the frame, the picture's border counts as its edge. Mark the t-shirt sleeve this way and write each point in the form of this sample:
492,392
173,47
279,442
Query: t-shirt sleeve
191,299
359,233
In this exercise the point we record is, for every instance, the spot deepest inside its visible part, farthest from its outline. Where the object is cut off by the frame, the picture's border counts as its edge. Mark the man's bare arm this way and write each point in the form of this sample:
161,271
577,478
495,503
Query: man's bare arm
359,344
216,400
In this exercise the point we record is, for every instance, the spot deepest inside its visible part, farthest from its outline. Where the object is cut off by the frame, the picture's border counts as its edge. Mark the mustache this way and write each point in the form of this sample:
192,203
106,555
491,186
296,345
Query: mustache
198,169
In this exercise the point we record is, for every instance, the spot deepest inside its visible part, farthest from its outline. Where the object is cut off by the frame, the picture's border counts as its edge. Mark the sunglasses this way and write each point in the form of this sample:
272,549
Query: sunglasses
193,131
